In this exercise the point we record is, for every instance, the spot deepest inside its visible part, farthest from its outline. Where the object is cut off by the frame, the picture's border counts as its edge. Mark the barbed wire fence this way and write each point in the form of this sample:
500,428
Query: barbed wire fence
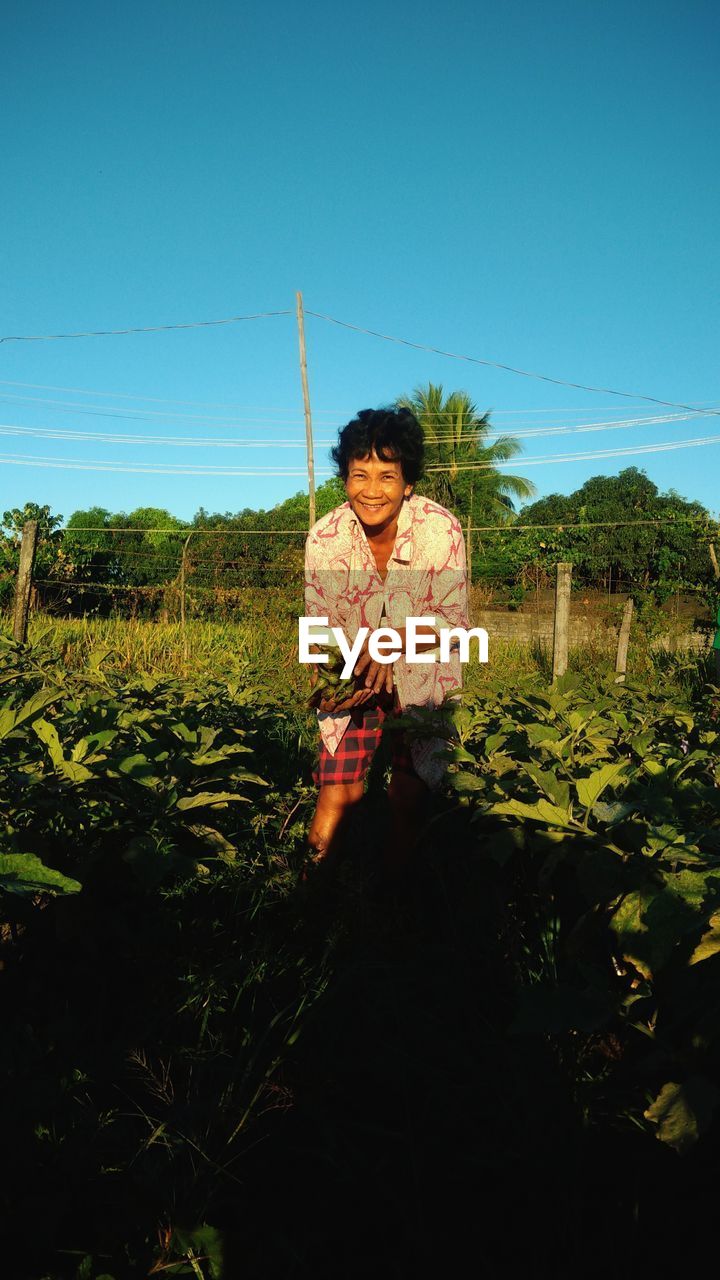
188,583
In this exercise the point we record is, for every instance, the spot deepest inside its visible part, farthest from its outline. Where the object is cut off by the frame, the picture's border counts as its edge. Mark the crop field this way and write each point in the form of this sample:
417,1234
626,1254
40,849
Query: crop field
214,1070
264,648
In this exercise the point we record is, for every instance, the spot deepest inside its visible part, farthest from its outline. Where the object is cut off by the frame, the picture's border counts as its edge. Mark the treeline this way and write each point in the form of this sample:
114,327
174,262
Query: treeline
100,561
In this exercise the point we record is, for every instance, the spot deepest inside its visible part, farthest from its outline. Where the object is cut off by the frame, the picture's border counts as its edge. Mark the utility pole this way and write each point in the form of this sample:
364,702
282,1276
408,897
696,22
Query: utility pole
306,403
23,583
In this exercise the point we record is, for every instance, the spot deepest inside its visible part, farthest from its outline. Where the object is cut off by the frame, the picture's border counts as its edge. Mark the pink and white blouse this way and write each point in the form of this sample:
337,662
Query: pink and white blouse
426,577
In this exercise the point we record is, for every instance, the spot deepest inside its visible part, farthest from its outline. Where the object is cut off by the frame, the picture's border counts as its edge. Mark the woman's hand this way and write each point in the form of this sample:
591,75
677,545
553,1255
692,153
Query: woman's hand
356,699
376,676
338,707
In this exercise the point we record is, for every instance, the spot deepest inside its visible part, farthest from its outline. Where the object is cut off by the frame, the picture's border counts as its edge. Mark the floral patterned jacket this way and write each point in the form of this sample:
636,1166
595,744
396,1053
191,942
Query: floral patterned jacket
426,577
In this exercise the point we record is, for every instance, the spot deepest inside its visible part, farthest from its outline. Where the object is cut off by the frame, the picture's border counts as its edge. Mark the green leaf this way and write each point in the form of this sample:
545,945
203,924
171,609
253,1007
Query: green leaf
70,770
540,733
24,874
464,781
654,768
216,841
652,921
709,944
683,1111
577,720
543,811
568,682
210,798
80,749
555,789
98,656
48,734
10,719
140,769
218,755
590,789
183,732
74,772
615,811
205,1242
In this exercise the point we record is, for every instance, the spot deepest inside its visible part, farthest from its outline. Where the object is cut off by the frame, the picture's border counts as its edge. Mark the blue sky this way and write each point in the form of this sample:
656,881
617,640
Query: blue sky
531,184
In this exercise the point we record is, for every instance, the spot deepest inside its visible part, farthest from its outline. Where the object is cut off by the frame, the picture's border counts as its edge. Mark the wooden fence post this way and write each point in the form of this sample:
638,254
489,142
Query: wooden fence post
623,640
23,584
561,626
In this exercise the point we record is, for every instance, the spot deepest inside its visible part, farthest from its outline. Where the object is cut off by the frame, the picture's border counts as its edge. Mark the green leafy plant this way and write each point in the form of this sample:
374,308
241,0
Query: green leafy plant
603,804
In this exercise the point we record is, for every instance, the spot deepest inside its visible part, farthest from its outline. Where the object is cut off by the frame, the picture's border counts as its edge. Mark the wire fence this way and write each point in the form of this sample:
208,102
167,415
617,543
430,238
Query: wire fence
255,577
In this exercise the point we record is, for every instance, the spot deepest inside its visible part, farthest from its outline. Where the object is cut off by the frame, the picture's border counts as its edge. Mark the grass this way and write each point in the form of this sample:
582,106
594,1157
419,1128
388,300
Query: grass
263,648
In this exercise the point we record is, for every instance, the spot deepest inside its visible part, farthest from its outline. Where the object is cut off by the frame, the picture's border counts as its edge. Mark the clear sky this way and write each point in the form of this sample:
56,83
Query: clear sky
533,184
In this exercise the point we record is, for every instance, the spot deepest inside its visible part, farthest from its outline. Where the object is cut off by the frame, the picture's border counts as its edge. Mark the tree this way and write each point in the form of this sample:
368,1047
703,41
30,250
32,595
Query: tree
47,524
664,554
150,550
456,440
89,553
48,545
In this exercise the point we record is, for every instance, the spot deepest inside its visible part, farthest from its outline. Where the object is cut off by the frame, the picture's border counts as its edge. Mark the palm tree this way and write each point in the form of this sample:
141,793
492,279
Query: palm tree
461,467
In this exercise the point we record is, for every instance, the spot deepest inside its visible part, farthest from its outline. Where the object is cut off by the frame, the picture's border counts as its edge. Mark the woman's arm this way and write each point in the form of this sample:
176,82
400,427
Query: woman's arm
320,601
446,600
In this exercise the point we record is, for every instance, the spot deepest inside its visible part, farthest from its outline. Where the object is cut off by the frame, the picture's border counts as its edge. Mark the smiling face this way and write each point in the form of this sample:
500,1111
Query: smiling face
375,491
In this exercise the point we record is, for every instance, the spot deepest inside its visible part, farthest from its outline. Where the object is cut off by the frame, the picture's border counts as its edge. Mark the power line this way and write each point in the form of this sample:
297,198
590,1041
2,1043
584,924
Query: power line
111,411
583,457
104,437
568,525
125,395
162,586
506,368
220,404
536,432
373,333
155,328
211,471
139,468
146,414
474,436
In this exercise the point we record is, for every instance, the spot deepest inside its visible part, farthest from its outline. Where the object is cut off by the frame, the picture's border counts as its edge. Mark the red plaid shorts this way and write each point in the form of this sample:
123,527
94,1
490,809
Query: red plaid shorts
358,746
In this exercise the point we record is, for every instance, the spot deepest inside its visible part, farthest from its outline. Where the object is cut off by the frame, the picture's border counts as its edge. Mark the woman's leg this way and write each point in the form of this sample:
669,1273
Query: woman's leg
407,794
341,780
335,800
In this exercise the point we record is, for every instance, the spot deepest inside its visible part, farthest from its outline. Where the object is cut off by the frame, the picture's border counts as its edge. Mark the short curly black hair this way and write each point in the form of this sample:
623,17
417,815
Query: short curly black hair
394,434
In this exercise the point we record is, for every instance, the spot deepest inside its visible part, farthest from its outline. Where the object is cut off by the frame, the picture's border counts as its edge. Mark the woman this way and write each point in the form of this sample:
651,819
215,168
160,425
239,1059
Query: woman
384,553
